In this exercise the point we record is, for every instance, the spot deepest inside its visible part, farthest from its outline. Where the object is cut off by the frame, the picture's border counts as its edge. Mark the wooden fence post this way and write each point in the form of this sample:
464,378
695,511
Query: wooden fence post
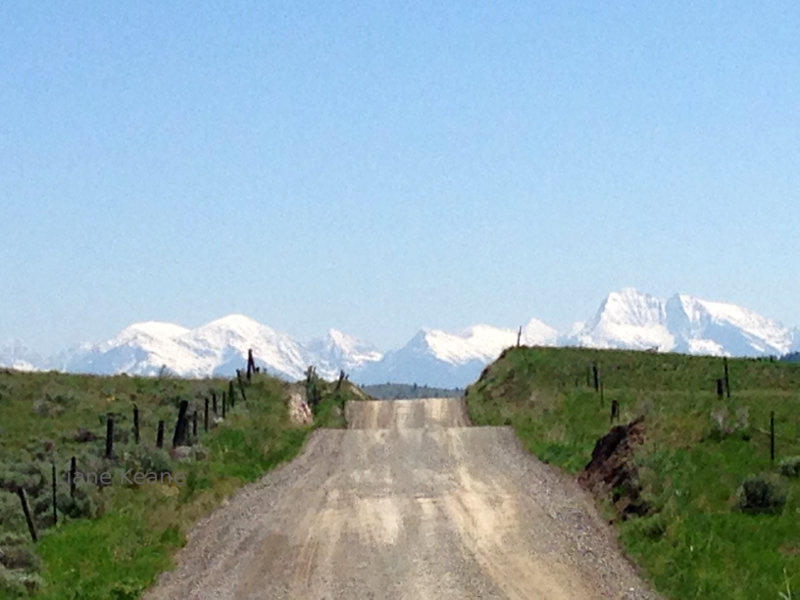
194,424
231,394
519,335
241,387
224,403
135,423
602,399
205,416
772,436
720,386
55,505
596,377
341,379
727,378
614,410
160,435
73,470
214,401
109,437
251,364
24,501
179,436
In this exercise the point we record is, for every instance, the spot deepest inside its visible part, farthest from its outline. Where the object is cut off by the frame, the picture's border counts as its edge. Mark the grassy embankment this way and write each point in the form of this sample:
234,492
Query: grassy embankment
697,451
118,538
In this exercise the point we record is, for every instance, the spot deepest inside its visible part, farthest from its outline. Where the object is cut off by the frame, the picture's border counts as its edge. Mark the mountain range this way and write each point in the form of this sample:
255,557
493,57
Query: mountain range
626,319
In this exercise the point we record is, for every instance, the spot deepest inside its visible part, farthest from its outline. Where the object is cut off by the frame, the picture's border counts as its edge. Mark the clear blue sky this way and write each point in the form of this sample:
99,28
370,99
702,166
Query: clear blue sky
379,166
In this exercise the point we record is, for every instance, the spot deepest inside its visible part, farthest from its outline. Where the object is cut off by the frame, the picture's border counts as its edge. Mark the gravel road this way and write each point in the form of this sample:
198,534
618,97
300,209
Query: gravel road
409,502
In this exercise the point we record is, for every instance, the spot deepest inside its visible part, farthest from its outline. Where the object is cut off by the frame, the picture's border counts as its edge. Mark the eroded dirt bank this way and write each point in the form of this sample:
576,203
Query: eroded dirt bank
408,503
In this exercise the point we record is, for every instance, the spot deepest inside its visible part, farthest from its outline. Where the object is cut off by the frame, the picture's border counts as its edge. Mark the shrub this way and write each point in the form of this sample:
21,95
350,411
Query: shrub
725,424
17,584
156,460
19,556
790,466
653,527
79,507
761,494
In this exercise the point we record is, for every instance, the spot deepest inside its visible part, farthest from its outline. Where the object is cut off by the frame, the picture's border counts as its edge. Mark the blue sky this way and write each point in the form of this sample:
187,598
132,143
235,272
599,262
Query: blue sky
380,166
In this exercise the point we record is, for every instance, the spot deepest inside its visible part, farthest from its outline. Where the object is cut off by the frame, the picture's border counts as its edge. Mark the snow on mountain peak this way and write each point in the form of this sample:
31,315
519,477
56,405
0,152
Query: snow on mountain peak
683,323
152,329
479,342
737,330
338,350
537,333
16,355
626,319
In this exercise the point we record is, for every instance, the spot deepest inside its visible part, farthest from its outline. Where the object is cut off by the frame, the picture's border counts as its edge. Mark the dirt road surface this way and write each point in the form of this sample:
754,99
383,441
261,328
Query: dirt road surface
408,503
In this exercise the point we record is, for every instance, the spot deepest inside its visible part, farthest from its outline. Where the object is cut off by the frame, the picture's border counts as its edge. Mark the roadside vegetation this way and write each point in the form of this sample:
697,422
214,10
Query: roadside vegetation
111,541
720,519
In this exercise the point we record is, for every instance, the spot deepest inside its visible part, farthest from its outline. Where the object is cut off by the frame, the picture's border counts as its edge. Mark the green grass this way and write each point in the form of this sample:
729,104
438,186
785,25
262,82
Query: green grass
134,531
696,544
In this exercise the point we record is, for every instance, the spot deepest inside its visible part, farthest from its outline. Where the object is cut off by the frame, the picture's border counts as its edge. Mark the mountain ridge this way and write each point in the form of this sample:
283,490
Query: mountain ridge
626,318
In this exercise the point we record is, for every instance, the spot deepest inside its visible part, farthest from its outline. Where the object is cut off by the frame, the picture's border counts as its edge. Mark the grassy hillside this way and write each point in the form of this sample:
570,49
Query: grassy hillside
110,542
696,452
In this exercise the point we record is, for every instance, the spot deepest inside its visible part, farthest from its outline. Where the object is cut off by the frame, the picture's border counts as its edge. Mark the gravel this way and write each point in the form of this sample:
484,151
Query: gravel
408,503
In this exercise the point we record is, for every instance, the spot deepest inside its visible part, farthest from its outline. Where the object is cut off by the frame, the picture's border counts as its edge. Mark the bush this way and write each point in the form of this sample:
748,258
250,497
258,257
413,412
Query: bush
19,556
725,424
17,584
79,507
761,494
790,466
652,527
156,460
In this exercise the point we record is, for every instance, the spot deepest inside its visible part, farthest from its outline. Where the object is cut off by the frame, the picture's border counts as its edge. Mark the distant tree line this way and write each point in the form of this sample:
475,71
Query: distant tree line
392,391
792,357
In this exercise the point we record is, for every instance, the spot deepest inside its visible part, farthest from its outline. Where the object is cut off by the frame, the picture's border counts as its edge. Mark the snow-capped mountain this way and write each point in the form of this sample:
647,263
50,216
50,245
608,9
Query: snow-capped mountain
625,319
438,358
17,356
216,348
223,346
683,323
337,350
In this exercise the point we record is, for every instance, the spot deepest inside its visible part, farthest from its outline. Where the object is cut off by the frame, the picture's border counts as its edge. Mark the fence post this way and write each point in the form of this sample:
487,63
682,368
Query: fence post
205,416
772,436
720,386
27,511
73,470
602,397
214,401
251,364
614,410
241,386
160,435
55,505
224,402
179,437
596,377
135,423
231,394
109,436
727,378
519,335
194,424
